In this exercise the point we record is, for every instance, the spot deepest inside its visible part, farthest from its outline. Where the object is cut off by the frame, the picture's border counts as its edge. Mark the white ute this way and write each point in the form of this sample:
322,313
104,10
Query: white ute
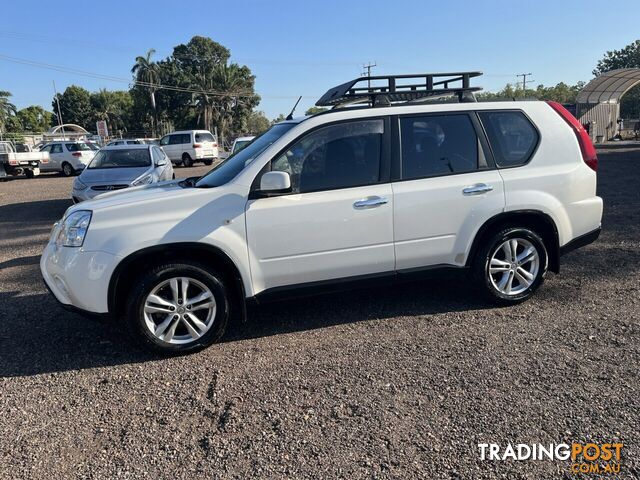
394,187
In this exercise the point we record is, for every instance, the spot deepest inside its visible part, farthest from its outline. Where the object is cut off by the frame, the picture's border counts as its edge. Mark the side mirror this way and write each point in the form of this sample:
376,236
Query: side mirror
161,163
275,182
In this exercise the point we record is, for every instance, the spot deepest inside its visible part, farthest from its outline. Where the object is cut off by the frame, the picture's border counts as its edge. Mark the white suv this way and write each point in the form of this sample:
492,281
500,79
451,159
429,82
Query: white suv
501,190
189,146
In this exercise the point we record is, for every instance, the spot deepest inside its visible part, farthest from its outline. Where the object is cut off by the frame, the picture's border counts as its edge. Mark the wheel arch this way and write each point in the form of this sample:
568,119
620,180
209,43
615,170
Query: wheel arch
127,270
538,221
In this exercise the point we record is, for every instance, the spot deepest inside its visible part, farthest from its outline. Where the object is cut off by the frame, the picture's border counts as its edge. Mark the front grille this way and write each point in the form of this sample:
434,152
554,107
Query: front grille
108,188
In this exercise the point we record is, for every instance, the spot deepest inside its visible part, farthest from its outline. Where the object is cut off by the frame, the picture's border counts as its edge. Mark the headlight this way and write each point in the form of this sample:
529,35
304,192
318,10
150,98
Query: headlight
78,185
72,230
143,180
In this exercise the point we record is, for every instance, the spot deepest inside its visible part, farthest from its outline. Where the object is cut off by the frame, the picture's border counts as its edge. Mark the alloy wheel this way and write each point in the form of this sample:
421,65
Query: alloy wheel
514,266
179,310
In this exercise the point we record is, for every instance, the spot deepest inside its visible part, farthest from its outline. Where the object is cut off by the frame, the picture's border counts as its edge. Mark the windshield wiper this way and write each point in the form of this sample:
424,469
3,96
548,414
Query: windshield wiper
189,182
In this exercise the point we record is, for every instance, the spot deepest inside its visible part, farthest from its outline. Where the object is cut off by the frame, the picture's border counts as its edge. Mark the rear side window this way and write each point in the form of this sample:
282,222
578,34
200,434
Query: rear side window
77,147
512,136
437,145
204,137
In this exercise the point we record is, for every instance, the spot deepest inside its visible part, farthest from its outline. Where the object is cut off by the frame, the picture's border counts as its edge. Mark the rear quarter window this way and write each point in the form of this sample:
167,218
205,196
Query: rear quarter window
512,136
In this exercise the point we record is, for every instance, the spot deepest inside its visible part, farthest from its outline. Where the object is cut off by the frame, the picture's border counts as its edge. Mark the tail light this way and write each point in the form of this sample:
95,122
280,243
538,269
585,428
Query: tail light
45,159
13,162
76,154
587,149
196,145
215,145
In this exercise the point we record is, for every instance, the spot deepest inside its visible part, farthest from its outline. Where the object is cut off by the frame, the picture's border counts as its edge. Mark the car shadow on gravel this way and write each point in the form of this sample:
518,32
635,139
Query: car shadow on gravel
39,336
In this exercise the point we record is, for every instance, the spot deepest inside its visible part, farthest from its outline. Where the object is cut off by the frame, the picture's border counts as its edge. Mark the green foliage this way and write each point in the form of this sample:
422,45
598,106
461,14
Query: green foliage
34,119
313,110
627,57
75,106
257,123
113,106
561,92
278,119
7,110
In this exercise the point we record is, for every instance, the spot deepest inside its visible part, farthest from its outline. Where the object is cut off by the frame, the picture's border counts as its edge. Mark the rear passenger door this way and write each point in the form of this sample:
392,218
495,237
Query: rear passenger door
446,188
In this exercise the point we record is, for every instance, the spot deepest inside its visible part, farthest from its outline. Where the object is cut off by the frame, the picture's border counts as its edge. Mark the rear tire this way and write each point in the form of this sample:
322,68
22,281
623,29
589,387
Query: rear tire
208,162
187,161
510,266
165,317
29,173
67,169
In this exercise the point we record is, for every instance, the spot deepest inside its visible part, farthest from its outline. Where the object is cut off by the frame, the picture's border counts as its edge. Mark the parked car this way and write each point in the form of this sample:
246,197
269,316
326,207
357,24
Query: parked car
67,157
189,146
241,142
124,141
499,190
19,159
122,166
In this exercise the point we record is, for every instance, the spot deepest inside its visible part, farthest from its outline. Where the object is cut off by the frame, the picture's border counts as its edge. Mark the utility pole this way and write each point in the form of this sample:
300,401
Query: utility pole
524,80
368,68
60,123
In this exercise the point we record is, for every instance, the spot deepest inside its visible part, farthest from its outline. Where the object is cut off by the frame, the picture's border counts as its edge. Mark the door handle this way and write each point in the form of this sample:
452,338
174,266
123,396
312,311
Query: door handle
370,202
477,189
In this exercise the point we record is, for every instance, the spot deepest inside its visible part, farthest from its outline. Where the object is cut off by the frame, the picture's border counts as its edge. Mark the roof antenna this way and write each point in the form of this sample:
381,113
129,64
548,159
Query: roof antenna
290,116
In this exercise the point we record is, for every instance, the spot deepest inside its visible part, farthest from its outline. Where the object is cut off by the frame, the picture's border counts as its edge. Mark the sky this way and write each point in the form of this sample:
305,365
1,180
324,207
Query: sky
305,47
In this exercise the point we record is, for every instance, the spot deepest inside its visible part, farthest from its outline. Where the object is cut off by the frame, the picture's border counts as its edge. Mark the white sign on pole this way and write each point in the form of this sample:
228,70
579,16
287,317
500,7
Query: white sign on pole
101,126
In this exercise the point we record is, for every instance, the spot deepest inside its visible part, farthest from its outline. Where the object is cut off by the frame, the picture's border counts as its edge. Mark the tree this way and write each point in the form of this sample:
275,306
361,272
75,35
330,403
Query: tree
278,119
146,71
34,119
313,110
257,123
7,110
627,57
114,107
75,106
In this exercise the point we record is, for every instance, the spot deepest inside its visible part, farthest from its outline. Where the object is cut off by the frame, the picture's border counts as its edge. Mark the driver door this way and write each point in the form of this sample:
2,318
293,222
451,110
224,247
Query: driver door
337,222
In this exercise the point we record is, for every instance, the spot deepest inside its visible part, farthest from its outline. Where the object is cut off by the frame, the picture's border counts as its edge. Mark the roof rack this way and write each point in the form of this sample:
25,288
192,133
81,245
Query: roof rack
385,90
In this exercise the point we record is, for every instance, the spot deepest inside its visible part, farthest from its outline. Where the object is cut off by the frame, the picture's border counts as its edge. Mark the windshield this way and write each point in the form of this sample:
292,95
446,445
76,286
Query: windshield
239,145
232,166
77,147
121,158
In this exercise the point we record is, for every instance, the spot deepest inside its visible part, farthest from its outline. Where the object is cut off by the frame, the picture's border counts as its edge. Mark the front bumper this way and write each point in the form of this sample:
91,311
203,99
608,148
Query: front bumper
78,279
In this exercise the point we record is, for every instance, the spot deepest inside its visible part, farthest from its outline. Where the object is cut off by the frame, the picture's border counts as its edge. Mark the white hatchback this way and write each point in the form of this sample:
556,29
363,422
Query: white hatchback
499,190
67,157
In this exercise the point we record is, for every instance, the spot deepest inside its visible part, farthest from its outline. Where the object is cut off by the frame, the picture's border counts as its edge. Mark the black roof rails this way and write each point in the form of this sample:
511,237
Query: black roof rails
384,90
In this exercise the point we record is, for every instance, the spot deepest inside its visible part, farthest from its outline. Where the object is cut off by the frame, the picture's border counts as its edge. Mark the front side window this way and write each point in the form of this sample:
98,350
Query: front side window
175,139
338,156
234,164
512,136
165,140
121,158
437,145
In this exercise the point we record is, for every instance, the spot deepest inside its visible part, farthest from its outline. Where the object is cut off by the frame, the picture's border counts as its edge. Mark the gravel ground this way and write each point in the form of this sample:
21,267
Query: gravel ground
383,383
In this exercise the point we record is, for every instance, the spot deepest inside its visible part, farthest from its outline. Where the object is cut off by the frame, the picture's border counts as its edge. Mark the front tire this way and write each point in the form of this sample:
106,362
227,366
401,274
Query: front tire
510,266
178,308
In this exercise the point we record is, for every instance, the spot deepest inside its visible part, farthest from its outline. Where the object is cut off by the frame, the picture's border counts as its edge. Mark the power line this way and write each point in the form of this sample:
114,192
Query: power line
158,86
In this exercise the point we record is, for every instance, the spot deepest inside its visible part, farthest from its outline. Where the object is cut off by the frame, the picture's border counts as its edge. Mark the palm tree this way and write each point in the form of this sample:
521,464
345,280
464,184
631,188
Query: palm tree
145,70
6,109
219,94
